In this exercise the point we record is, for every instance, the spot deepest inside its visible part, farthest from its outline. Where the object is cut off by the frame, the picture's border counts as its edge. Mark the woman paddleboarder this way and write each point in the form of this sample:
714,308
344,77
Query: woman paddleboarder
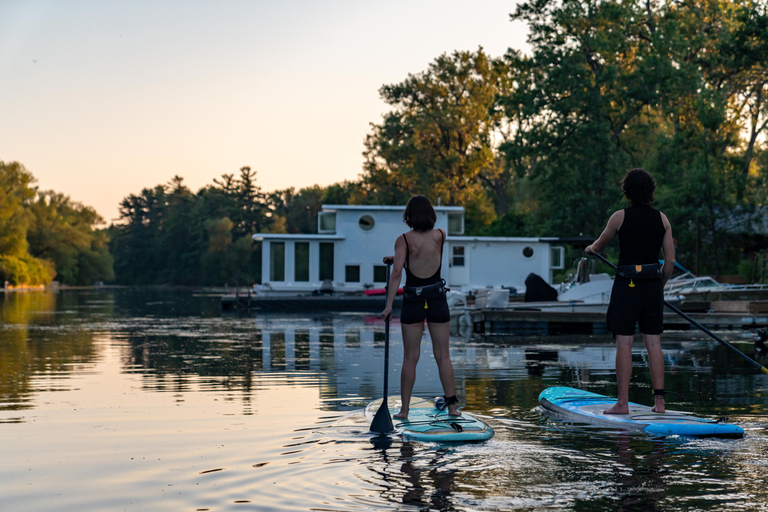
637,297
420,253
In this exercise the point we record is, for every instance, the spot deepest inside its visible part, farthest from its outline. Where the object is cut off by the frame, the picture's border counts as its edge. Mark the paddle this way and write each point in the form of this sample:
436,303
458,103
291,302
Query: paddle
382,421
697,324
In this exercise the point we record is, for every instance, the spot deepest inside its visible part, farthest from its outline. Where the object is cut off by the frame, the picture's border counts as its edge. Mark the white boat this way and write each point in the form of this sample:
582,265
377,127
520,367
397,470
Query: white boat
687,284
582,291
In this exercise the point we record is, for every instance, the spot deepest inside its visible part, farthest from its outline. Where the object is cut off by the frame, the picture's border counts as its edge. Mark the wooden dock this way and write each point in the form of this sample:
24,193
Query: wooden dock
303,303
526,322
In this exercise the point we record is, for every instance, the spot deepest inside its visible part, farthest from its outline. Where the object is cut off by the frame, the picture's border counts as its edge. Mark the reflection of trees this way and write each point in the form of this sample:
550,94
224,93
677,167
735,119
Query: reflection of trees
25,307
24,356
177,354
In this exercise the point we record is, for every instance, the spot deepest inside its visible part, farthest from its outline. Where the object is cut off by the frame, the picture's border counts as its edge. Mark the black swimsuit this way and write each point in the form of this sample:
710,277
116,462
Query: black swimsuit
436,310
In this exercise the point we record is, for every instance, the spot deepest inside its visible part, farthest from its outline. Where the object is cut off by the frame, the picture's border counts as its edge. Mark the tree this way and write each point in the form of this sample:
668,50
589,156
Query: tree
17,265
167,234
64,232
439,140
675,87
16,192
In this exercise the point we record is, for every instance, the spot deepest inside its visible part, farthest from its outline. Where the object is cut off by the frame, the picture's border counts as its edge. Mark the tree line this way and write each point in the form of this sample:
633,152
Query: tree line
530,144
45,235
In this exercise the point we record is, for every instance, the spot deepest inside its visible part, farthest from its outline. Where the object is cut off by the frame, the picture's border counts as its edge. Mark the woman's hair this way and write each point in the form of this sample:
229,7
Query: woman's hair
419,214
638,187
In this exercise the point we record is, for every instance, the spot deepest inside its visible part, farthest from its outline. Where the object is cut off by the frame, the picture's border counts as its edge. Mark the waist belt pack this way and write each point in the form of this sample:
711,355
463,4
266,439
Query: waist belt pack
647,271
429,292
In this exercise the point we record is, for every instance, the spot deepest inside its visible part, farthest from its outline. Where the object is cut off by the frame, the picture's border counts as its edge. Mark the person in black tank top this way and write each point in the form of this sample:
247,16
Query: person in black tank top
419,253
639,300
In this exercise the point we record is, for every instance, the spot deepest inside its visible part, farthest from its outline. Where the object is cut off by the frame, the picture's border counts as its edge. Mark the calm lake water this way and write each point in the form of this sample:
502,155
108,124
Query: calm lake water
137,399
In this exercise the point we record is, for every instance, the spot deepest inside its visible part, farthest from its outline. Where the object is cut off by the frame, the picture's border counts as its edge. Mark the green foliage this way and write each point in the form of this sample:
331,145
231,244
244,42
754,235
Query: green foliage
170,235
15,194
676,88
45,235
63,232
440,138
25,270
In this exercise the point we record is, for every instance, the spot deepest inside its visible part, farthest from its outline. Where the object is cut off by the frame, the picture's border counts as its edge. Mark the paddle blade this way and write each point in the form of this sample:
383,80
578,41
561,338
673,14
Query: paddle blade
382,421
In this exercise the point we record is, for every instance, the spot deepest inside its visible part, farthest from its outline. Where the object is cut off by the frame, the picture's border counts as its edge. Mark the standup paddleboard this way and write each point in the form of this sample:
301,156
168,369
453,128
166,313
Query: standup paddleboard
425,424
588,407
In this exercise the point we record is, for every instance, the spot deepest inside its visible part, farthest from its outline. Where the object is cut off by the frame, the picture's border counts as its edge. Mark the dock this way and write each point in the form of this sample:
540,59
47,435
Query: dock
528,322
302,303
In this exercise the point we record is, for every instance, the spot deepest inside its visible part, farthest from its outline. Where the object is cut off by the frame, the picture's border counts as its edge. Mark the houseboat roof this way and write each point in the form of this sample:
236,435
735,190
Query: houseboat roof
520,239
297,236
389,208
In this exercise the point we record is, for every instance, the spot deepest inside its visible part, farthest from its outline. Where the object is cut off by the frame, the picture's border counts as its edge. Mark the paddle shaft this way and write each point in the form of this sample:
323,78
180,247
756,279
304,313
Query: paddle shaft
698,325
386,341
382,421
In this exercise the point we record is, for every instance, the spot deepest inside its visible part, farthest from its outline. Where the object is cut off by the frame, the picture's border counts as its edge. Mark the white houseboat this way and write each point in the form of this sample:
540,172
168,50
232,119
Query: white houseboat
346,253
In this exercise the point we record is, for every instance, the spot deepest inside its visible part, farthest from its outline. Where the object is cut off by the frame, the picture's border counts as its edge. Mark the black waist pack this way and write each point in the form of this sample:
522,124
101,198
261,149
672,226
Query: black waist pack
429,292
647,271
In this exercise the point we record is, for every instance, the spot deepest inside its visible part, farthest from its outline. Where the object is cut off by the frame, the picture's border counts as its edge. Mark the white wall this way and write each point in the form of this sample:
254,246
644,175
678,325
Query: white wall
497,263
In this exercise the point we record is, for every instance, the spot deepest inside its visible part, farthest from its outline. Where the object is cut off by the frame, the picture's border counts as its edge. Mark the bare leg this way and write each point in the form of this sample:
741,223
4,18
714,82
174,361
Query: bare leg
440,334
623,374
656,363
411,352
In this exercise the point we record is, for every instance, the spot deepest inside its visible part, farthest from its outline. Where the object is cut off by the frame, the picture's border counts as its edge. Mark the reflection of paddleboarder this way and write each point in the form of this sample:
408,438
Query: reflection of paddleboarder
637,296
420,252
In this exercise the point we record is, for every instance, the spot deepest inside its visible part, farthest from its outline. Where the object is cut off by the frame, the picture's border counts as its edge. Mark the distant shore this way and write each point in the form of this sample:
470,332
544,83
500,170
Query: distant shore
56,287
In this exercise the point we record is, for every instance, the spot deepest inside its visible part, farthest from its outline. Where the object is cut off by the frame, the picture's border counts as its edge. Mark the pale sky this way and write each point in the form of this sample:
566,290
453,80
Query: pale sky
100,99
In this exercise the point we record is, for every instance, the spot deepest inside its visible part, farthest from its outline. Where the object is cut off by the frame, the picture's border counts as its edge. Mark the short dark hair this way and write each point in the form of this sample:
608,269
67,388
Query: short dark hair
419,214
638,186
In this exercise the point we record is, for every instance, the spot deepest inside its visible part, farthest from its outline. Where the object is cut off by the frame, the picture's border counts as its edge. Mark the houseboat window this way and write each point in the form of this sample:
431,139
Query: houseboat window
455,224
301,260
457,259
326,222
366,223
277,261
379,274
558,257
326,261
528,252
352,273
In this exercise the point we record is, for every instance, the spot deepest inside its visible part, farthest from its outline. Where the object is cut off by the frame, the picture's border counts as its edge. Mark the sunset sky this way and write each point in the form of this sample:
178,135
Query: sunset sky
101,98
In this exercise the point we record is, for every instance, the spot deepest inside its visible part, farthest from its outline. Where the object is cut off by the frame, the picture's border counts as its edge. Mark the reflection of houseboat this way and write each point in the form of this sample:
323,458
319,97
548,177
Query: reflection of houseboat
345,256
347,355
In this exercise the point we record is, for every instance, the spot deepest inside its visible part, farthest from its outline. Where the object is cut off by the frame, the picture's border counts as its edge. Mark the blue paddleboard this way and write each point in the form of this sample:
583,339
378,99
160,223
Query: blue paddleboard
426,423
588,407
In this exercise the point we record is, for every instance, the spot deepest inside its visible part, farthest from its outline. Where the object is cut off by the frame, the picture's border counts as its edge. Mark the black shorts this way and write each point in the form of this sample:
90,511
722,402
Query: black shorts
414,312
638,301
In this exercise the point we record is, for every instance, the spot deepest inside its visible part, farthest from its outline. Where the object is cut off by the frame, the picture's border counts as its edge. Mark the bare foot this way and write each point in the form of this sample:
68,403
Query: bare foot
401,415
453,411
617,409
659,407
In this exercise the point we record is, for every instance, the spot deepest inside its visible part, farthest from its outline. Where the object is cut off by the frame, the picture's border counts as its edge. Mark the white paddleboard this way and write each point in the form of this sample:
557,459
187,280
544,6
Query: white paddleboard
426,423
588,407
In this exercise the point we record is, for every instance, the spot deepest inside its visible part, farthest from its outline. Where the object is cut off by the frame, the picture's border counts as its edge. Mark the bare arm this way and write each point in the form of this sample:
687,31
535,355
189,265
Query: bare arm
614,223
397,272
668,248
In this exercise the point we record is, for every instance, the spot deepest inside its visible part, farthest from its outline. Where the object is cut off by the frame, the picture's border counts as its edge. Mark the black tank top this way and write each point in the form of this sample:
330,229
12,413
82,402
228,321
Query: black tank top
640,235
412,280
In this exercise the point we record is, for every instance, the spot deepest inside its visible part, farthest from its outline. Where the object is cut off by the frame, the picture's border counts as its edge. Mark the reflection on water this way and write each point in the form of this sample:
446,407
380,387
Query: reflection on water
166,405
